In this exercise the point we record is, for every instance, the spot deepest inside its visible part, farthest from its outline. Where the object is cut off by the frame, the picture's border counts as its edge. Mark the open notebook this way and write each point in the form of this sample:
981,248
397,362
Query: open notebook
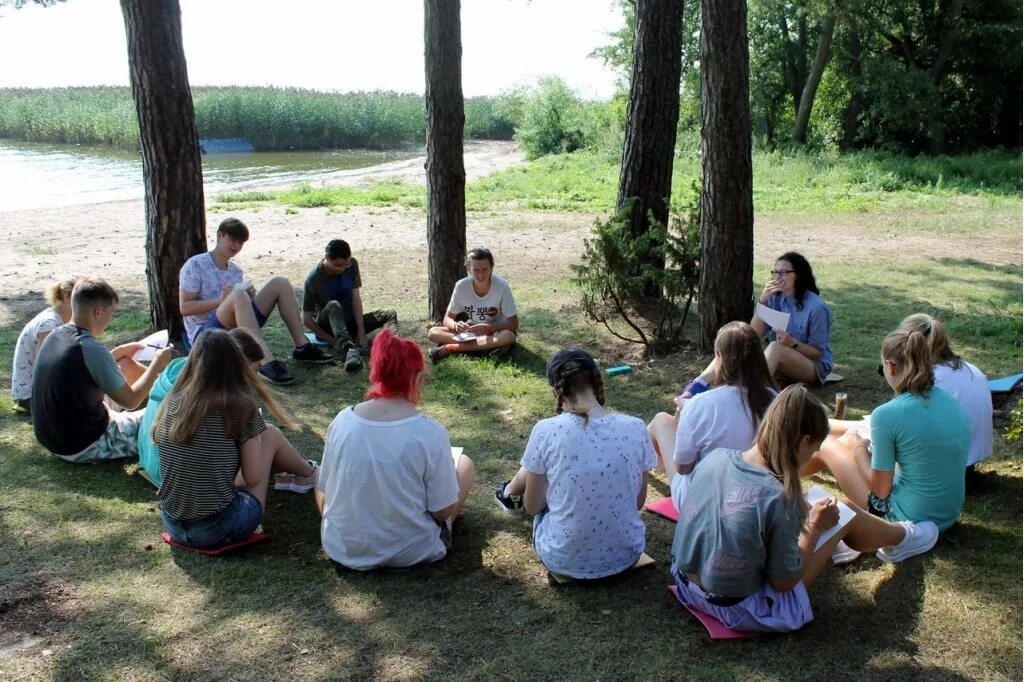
845,514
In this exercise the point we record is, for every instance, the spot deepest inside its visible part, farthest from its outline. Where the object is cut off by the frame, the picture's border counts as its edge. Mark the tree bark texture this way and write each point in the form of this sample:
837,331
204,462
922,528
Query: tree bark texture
171,166
821,56
651,118
446,172
727,208
852,115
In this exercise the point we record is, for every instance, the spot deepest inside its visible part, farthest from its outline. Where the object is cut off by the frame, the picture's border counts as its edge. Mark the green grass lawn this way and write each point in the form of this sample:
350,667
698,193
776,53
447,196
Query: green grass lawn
88,591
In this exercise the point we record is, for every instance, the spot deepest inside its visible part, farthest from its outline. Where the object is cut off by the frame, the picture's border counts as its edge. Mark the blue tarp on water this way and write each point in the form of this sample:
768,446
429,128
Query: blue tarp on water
228,145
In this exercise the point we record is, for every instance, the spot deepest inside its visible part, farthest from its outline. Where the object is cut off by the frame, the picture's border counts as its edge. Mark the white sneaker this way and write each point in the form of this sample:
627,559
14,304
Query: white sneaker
844,554
919,539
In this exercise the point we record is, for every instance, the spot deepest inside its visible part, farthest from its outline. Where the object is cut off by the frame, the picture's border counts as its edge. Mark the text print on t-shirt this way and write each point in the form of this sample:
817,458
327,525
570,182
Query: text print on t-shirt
481,313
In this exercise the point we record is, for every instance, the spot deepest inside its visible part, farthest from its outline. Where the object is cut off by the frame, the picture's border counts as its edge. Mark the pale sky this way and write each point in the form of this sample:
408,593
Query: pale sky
340,45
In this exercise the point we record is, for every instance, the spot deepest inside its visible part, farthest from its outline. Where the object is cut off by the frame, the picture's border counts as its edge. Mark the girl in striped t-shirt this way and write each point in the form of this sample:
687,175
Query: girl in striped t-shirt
216,452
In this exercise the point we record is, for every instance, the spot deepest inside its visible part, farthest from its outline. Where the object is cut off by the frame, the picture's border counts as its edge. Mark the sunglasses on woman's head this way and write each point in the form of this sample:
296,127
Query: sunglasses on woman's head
881,372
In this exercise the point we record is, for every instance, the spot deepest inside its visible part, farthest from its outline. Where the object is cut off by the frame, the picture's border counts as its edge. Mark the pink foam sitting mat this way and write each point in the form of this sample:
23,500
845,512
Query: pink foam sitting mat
715,627
665,508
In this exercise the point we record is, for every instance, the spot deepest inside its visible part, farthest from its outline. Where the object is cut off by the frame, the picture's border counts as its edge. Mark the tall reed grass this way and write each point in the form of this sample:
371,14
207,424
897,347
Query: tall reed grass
271,118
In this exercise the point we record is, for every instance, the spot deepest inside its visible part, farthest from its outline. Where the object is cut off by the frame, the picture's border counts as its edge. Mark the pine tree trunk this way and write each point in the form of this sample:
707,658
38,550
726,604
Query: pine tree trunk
852,115
821,56
727,209
446,172
171,167
651,118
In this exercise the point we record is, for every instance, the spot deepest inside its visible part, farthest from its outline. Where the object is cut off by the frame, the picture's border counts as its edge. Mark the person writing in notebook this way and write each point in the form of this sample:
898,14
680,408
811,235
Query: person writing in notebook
482,314
747,544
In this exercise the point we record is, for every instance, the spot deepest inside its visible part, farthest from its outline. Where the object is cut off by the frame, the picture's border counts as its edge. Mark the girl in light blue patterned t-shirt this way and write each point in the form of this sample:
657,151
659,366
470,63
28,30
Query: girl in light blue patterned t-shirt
584,477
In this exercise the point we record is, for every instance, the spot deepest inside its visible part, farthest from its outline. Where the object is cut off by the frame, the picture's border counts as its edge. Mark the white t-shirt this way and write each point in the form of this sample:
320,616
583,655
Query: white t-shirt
592,527
970,387
380,481
494,308
719,418
201,275
26,349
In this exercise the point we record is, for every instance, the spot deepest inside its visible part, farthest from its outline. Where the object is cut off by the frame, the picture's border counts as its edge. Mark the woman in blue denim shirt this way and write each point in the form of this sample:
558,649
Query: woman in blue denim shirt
802,352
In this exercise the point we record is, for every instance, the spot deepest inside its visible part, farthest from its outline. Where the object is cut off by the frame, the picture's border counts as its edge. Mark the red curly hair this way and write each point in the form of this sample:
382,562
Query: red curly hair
394,364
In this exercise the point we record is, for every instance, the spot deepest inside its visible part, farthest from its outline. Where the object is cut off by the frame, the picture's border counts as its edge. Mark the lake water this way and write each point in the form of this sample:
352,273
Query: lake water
49,176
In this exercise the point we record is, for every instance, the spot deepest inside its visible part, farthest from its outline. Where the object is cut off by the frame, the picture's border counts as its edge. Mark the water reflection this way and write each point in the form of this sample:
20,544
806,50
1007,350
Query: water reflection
48,176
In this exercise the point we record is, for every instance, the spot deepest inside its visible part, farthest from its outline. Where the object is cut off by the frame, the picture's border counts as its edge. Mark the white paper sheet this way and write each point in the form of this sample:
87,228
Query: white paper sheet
773,318
845,513
150,345
464,336
864,426
456,453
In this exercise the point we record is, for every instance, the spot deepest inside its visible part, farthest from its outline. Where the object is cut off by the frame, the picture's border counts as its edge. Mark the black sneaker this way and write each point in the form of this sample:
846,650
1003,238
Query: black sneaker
275,373
511,504
308,352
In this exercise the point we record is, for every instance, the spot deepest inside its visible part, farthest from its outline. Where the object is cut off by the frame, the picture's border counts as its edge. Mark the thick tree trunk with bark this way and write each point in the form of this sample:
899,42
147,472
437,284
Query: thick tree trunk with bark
852,115
171,167
821,56
446,172
727,208
651,118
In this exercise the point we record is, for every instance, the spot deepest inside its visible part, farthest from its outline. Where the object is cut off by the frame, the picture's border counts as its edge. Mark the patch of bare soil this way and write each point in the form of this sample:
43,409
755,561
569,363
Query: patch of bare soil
31,610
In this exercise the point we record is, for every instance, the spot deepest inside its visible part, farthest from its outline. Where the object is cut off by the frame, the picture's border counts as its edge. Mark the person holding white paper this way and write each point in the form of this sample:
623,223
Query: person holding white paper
801,352
746,542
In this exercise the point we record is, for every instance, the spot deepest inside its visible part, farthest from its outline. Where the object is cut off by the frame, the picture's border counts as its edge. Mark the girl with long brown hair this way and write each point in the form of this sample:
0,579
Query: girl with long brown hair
216,452
583,477
724,417
746,544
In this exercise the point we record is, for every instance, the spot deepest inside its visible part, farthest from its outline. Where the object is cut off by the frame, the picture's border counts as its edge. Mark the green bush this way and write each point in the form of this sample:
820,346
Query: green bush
553,120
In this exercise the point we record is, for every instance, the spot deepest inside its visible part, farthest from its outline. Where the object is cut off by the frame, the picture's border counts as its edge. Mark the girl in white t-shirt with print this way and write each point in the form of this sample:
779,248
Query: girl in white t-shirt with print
724,417
583,476
389,485
58,295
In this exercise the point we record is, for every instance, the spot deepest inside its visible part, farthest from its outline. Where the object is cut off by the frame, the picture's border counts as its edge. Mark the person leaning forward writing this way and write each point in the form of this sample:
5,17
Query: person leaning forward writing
73,375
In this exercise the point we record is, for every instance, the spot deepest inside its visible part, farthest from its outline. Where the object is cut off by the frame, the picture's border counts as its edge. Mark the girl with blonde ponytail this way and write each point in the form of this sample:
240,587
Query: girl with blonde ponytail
583,477
960,379
30,340
912,469
746,543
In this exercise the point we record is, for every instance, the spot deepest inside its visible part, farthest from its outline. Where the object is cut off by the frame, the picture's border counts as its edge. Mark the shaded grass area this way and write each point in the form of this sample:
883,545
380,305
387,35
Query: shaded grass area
83,572
587,182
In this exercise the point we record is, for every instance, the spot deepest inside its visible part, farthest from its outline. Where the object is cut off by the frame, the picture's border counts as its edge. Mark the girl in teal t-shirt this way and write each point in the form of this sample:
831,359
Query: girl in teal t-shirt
913,467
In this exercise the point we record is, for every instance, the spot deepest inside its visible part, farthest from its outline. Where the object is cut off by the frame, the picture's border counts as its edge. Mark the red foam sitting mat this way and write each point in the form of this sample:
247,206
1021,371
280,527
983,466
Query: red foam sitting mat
254,539
663,507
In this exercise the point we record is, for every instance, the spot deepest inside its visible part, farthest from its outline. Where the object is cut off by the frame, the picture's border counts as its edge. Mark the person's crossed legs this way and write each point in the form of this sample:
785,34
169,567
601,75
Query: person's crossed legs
446,343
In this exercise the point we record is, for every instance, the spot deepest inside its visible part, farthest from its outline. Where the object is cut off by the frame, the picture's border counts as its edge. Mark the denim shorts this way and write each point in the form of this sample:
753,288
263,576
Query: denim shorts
213,323
234,523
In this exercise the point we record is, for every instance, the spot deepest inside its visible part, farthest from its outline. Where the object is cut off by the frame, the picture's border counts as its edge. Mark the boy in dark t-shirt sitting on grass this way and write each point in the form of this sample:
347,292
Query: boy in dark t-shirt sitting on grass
332,307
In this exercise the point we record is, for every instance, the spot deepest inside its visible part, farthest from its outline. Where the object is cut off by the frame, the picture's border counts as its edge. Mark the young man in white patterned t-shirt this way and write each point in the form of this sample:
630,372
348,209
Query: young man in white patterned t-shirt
482,314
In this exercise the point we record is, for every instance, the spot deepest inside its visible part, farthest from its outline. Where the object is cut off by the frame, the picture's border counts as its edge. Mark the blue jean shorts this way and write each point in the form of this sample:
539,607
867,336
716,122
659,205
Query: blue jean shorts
213,323
234,523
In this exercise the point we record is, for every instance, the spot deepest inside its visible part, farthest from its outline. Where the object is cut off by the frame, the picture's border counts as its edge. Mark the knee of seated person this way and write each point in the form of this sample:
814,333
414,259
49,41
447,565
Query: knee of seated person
280,281
333,305
774,348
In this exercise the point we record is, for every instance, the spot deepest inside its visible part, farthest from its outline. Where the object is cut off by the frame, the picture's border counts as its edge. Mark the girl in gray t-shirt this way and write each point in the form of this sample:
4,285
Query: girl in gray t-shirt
747,543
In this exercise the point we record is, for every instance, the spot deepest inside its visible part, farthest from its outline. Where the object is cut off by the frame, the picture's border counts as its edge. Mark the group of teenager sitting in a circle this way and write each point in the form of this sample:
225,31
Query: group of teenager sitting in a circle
389,485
